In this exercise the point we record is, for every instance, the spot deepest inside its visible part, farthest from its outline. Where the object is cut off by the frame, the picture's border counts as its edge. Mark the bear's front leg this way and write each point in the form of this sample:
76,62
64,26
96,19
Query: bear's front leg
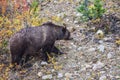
47,50
56,50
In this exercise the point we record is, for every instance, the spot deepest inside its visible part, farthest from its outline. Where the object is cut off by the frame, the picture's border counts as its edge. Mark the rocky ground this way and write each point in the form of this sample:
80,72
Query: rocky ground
86,58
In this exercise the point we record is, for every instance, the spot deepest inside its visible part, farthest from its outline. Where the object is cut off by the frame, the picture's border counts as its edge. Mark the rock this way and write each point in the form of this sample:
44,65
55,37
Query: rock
80,48
101,48
60,75
91,49
83,69
98,65
47,77
110,55
79,14
95,60
44,63
103,77
88,66
82,30
67,20
99,34
68,75
76,73
101,41
73,45
36,65
75,22
53,70
61,15
39,74
102,72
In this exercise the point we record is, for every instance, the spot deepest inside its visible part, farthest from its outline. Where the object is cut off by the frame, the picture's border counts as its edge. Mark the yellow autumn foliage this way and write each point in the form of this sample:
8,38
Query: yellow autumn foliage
117,41
8,25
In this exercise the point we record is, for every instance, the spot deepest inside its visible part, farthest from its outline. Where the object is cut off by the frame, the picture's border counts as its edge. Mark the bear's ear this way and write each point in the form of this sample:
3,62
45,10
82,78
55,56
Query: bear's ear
64,30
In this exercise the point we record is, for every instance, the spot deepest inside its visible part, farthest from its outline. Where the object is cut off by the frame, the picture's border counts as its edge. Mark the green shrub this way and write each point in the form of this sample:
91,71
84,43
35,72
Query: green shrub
34,6
91,10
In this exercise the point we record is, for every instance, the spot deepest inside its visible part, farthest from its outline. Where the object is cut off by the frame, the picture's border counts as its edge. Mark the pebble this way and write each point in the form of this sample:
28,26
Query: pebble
75,22
36,65
60,75
67,20
110,55
79,14
101,48
91,49
80,48
61,15
103,77
39,74
87,66
73,45
99,34
47,77
76,73
53,70
102,72
44,63
98,65
101,41
68,75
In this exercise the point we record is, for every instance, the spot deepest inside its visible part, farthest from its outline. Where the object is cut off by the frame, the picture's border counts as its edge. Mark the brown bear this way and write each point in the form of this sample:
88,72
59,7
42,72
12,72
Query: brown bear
31,40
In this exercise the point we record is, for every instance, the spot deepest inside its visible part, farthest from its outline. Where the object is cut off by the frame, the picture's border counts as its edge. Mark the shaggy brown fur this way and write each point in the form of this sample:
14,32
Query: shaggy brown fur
30,40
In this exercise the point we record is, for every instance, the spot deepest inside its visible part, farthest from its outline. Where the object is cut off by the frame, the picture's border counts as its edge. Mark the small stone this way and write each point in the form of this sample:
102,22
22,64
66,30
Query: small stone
87,66
101,41
39,74
74,46
91,49
117,77
101,48
55,2
67,20
110,55
36,65
98,65
75,22
53,70
103,77
83,69
102,72
99,34
72,43
65,57
79,14
78,26
79,48
68,75
44,63
76,73
60,75
47,76
95,60
119,48
61,15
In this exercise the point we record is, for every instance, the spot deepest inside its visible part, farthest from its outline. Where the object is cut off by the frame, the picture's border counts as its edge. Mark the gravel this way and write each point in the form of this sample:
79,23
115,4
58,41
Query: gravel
84,59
